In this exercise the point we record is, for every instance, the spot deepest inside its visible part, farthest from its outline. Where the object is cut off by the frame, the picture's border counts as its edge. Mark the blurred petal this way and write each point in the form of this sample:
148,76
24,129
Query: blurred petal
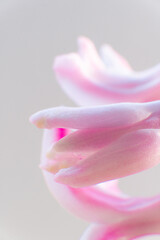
123,231
113,60
88,80
90,57
60,161
70,65
96,232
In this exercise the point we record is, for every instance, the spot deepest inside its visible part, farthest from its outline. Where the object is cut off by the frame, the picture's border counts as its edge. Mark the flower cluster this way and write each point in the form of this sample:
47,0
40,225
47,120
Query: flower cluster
87,149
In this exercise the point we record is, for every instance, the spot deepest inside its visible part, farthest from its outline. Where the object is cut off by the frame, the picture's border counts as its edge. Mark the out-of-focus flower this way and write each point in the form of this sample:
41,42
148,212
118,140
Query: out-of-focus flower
90,79
104,143
126,230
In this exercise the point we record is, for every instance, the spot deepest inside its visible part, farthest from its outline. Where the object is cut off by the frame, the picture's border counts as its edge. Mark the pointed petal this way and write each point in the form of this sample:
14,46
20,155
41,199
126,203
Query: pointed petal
69,65
113,60
90,57
86,140
130,154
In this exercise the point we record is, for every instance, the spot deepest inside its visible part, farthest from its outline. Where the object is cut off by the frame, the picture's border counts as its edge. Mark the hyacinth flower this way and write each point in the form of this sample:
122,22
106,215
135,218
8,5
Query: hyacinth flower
90,79
123,137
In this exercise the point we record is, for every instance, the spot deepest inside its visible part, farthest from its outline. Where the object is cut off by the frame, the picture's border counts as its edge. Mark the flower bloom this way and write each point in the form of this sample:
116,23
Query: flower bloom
90,79
130,134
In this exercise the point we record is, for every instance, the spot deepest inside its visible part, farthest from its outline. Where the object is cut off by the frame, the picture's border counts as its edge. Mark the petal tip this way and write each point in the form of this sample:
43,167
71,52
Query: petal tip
37,121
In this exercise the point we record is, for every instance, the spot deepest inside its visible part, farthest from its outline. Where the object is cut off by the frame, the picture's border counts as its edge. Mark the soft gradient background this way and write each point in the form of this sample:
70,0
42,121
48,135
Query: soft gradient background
32,33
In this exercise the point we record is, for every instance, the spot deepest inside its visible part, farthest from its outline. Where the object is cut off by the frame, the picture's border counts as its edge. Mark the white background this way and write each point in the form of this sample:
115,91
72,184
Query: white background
32,33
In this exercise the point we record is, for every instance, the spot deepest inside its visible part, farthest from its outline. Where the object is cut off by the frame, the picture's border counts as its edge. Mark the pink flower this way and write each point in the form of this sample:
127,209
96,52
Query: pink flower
103,143
90,79
115,214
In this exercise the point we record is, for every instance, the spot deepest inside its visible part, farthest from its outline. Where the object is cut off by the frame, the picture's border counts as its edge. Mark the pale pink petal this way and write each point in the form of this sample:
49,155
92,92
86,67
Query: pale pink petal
111,116
137,80
131,153
90,57
92,139
86,140
70,65
60,161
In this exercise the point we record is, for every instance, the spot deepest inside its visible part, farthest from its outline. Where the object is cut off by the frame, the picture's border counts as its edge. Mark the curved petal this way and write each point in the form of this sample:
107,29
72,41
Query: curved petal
96,232
123,231
131,153
87,80
86,140
89,57
90,203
